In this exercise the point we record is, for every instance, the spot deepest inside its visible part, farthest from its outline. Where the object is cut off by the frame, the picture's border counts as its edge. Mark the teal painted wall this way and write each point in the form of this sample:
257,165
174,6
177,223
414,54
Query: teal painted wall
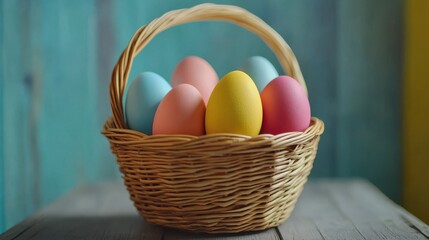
369,75
1,124
56,59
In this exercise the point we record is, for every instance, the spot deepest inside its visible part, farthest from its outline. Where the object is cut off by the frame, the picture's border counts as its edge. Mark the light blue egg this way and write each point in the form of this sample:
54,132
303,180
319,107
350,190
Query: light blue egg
141,99
260,70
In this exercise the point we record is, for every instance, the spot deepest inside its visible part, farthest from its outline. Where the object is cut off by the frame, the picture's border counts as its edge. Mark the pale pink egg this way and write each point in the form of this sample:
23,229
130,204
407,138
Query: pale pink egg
285,107
196,72
182,111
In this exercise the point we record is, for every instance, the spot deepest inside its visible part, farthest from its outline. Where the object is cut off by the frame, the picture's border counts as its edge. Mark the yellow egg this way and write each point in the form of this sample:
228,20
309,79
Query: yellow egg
234,106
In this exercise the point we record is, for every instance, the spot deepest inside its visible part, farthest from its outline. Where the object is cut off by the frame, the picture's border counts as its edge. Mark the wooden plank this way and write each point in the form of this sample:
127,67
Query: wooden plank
92,204
349,210
119,227
105,212
20,175
50,106
103,45
322,216
2,77
374,215
302,224
49,103
102,199
326,210
68,130
416,109
33,86
57,113
370,39
414,222
19,229
269,234
301,228
93,212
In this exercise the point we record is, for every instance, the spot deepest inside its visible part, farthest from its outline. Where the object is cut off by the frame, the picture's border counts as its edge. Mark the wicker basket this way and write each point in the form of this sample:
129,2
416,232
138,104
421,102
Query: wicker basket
213,183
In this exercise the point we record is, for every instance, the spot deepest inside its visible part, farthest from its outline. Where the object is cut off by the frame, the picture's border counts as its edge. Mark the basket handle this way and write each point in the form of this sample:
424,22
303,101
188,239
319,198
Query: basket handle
200,12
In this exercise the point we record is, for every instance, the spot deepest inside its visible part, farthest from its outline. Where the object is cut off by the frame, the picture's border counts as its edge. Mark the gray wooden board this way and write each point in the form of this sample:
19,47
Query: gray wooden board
327,209
335,209
321,217
1,120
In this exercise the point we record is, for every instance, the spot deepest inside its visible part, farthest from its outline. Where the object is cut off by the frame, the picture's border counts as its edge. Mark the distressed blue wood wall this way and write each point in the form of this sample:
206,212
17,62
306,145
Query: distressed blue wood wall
56,59
2,183
369,74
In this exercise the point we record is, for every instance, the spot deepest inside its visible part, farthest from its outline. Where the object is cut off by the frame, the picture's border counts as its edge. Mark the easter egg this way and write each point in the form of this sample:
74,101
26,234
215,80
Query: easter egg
260,70
234,106
286,107
142,98
182,111
196,72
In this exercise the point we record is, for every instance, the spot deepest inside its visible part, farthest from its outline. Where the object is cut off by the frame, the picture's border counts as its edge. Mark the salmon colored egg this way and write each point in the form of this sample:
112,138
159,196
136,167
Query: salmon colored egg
196,72
182,111
286,107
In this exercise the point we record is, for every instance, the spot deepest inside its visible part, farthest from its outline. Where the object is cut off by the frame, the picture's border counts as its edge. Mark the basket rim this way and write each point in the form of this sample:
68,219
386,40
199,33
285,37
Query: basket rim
128,136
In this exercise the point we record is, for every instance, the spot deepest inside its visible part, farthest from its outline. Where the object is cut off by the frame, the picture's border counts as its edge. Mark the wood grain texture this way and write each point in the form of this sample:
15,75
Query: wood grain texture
370,212
349,210
2,57
103,46
416,110
53,140
369,87
65,123
19,169
172,234
327,209
316,210
102,212
69,137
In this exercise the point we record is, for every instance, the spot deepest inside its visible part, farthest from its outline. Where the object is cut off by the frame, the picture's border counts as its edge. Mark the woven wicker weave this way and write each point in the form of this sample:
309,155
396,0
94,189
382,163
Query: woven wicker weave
213,183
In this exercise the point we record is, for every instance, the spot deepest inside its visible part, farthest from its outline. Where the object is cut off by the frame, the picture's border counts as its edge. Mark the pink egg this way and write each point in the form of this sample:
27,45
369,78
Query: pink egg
285,106
198,73
182,111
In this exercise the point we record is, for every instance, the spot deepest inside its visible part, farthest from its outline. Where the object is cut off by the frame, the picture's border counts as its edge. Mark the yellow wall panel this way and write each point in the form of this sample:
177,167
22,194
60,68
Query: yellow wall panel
416,109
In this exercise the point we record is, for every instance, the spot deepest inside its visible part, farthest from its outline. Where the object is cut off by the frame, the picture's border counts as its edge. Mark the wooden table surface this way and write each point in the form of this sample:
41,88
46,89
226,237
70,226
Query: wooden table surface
327,209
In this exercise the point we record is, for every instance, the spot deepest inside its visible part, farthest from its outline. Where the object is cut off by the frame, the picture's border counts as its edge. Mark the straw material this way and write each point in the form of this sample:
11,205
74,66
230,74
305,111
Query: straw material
218,182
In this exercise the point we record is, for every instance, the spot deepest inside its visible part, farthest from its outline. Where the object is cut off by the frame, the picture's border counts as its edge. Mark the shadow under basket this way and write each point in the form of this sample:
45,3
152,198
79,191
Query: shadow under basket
215,183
